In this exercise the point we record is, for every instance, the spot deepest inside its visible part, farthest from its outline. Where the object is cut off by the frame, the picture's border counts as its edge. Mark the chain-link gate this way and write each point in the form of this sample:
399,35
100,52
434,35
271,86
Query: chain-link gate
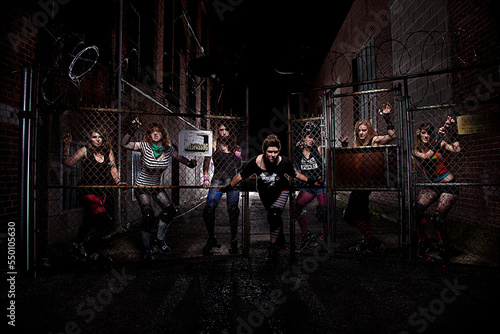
454,175
359,205
406,177
367,193
308,203
106,191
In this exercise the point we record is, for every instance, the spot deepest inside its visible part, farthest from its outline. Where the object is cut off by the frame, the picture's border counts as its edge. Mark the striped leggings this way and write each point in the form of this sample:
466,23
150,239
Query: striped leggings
274,214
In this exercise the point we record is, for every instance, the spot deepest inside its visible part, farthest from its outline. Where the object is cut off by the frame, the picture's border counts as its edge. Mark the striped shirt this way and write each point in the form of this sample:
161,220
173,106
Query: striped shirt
151,168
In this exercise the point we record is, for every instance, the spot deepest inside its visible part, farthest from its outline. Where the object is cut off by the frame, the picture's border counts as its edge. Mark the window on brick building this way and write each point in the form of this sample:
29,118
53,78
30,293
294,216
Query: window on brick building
139,34
174,42
364,66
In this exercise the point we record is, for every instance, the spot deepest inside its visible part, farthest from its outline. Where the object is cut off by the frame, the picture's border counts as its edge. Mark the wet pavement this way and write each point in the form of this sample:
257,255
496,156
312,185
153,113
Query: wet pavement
316,293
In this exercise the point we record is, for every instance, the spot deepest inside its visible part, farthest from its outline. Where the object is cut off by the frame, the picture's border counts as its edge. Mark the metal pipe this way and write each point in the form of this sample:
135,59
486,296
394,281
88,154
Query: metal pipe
331,198
409,171
156,102
291,187
147,112
246,196
119,106
400,170
193,34
25,176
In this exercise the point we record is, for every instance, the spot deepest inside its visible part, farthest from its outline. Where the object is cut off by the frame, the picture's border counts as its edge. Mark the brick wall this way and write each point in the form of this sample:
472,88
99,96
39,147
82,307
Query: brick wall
415,37
478,42
366,20
25,26
421,26
18,45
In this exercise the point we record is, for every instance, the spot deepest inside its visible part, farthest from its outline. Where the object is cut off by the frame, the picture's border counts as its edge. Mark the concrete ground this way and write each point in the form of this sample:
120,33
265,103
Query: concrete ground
316,293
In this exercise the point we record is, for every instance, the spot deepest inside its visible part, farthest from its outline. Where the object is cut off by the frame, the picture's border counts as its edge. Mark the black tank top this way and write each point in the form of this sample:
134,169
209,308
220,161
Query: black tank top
225,164
94,172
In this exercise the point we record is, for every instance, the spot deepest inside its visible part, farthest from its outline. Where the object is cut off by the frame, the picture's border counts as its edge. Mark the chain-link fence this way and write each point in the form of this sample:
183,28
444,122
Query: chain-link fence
454,176
406,177
357,211
108,189
358,135
309,203
366,171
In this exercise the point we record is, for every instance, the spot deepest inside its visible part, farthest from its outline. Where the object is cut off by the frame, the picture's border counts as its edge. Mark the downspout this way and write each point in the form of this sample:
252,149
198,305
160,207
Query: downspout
119,106
25,115
246,197
409,172
291,185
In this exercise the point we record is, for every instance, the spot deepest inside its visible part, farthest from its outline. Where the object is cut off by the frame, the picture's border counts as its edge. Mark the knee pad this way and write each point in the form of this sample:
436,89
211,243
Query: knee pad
168,214
274,218
439,222
320,213
93,204
148,218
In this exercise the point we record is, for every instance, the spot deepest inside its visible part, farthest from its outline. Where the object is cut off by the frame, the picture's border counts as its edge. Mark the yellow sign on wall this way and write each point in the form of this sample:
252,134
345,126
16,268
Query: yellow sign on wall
469,124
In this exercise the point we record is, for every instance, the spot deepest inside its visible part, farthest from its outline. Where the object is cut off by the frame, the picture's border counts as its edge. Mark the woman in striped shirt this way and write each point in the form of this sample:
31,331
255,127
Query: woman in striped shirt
156,156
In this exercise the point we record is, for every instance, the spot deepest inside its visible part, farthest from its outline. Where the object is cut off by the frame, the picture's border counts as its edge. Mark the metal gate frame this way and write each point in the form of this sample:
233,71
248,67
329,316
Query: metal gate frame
329,172
407,181
40,245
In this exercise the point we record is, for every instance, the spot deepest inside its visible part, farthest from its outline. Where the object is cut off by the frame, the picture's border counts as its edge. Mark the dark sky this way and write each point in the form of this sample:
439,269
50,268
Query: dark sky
277,47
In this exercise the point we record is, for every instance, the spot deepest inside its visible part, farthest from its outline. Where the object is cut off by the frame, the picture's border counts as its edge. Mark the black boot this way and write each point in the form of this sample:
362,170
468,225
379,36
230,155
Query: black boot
272,254
234,246
211,243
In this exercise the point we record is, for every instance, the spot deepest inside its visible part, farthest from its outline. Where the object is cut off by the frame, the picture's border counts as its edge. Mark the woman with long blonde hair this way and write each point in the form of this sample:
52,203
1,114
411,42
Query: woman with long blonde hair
357,212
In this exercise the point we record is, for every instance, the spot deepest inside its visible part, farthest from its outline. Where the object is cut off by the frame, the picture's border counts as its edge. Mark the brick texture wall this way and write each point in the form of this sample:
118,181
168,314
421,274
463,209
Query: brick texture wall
25,26
415,37
18,44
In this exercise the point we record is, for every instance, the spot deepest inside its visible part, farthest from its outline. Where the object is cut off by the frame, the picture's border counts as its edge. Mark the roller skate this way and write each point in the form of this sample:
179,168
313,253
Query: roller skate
211,243
368,246
160,247
307,240
234,246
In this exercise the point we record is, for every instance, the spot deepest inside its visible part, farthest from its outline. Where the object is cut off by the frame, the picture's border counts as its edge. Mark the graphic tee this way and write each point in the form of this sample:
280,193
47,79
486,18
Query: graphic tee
312,167
270,184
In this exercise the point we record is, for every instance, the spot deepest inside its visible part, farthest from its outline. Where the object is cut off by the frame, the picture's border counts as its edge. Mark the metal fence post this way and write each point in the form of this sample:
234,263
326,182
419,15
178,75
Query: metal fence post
25,115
